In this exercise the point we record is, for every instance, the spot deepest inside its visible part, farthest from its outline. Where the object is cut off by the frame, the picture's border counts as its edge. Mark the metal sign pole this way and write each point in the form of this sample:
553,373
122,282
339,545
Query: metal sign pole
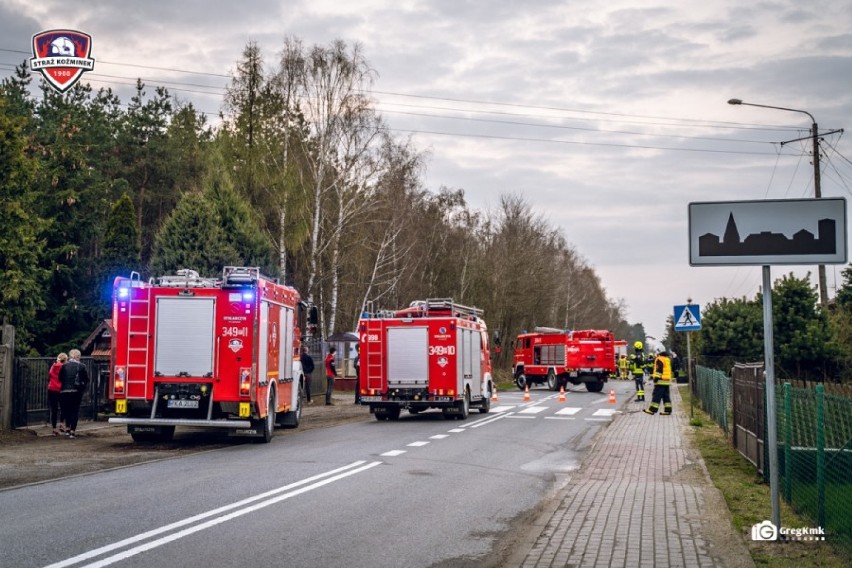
689,375
771,430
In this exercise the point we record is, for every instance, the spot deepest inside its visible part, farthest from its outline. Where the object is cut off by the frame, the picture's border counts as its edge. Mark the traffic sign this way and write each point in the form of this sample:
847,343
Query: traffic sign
687,318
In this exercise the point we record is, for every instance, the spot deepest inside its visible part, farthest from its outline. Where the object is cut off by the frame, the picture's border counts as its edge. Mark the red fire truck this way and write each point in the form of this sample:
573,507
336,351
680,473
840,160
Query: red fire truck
557,357
206,352
433,354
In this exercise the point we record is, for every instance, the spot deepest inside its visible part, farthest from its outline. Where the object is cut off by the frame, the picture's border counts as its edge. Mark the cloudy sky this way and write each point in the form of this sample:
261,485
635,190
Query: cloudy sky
608,117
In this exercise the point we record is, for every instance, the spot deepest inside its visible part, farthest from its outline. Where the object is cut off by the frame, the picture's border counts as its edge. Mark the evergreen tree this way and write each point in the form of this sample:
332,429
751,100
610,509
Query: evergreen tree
121,249
731,331
22,286
192,238
238,223
804,345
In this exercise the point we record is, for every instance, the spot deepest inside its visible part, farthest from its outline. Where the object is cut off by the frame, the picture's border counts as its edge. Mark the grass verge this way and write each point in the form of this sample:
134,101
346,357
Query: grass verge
748,498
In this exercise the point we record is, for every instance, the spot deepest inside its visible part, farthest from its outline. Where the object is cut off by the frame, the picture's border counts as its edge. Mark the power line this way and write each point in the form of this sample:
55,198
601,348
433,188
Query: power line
581,143
669,119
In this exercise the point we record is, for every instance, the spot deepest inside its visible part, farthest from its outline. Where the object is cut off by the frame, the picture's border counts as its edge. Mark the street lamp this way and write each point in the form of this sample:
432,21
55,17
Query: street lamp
823,287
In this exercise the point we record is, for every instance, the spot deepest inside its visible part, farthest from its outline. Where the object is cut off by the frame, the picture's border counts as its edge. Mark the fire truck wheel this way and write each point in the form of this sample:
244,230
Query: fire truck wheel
269,422
465,406
551,380
521,380
393,413
485,407
594,386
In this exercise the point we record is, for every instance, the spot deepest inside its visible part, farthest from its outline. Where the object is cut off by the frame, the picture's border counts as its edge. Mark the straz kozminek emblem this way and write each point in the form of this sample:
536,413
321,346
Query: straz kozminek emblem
62,56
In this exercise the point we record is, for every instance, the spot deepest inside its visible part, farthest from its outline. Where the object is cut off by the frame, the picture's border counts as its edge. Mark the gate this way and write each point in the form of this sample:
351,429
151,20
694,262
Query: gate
749,412
29,390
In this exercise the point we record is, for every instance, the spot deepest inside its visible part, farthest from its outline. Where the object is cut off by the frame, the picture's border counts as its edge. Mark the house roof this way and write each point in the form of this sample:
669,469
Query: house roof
104,329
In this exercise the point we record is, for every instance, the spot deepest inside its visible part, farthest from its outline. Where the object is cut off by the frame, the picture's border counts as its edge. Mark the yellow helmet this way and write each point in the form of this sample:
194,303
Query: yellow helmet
638,346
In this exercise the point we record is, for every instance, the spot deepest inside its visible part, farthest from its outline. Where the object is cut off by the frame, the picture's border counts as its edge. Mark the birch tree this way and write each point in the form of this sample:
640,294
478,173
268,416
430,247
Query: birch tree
329,86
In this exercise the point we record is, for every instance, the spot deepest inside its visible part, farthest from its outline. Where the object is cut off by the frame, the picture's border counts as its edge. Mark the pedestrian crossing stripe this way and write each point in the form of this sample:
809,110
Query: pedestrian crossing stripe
604,412
533,410
568,411
687,318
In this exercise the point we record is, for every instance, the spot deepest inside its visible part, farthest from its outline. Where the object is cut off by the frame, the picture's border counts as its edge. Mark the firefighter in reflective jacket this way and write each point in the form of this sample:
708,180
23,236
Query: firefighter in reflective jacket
623,367
662,376
637,369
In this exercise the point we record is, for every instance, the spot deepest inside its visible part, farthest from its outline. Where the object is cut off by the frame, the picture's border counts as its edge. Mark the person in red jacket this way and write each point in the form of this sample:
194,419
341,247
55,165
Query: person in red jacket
330,374
54,385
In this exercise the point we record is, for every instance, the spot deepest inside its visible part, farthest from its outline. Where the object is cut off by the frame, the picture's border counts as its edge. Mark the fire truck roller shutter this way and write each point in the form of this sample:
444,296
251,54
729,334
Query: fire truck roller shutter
263,345
290,389
408,356
184,336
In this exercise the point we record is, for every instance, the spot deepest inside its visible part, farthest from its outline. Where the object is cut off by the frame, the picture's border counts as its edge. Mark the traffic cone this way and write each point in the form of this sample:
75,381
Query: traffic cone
494,395
527,393
612,395
561,394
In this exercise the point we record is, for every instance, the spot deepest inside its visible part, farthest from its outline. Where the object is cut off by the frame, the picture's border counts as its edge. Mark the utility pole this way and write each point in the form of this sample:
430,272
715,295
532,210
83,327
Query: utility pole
823,285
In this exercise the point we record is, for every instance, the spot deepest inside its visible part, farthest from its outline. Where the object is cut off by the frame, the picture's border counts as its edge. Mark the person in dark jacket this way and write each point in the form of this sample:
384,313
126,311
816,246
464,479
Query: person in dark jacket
53,388
307,370
74,378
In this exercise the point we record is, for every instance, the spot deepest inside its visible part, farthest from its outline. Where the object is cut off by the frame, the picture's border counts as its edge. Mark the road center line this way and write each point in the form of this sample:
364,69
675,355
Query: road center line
326,477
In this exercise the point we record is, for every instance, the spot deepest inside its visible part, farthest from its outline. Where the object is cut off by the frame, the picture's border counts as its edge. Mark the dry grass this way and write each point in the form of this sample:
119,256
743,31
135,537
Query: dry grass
748,499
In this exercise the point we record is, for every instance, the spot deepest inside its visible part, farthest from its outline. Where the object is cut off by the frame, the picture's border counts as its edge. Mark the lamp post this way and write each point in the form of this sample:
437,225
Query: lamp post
823,287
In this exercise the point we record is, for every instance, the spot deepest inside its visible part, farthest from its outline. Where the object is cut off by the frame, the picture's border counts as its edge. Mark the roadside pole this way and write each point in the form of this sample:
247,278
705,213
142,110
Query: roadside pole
771,426
689,375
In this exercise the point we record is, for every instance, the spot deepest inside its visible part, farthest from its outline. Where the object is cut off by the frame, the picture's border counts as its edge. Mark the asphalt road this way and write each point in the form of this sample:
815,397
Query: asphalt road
421,491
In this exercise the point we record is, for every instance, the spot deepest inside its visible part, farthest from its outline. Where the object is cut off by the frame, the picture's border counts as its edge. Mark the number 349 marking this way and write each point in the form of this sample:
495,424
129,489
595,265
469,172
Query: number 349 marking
442,350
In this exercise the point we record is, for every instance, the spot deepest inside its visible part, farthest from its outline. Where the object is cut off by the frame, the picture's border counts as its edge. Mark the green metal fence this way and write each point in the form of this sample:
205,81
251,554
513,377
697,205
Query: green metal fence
713,389
815,458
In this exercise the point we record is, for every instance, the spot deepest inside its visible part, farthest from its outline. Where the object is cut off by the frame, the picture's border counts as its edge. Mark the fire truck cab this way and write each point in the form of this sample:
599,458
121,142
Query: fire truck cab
206,352
433,354
557,357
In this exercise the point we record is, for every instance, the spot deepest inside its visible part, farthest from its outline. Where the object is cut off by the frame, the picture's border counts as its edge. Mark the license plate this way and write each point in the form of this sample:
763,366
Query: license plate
371,398
182,403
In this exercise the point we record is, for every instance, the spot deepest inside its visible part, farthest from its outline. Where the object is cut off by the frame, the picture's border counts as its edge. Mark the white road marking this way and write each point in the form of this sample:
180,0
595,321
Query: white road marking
307,484
456,430
502,408
491,419
439,436
517,416
559,418
417,444
570,411
533,410
605,412
393,453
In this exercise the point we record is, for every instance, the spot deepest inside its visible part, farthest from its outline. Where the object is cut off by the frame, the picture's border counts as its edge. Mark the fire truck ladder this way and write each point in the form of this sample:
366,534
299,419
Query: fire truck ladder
448,304
138,335
373,354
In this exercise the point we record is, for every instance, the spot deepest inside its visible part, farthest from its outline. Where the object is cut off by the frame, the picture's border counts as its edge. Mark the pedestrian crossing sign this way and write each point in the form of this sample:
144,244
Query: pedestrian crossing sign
687,318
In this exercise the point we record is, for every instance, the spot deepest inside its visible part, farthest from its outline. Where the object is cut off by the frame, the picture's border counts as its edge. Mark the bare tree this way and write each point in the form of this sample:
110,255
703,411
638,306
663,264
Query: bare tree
329,85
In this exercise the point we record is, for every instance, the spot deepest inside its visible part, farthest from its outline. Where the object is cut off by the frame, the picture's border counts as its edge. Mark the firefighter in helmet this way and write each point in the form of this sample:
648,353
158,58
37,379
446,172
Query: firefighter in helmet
623,367
637,369
662,376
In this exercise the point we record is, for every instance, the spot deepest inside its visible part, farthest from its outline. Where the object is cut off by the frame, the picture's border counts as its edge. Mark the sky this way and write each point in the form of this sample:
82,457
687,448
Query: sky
609,118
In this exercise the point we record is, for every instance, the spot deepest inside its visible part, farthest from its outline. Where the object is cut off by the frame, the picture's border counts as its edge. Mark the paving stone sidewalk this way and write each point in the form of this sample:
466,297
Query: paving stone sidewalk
640,498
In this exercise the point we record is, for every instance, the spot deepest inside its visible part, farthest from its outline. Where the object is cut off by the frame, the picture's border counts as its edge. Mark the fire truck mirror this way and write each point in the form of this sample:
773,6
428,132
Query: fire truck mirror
496,338
313,315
